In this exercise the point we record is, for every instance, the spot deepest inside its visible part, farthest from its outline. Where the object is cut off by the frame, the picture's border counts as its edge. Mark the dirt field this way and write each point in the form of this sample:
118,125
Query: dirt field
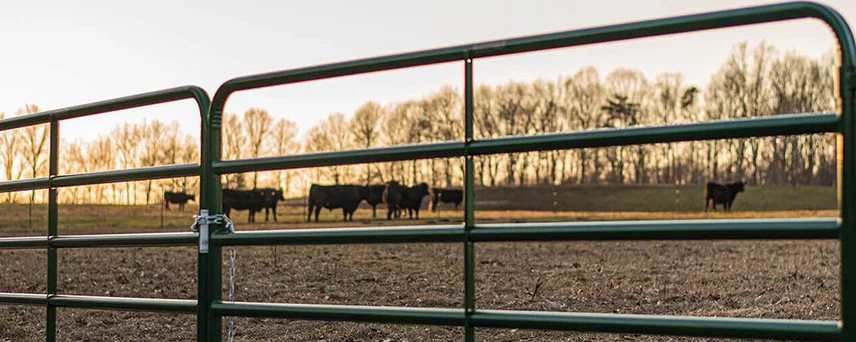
774,279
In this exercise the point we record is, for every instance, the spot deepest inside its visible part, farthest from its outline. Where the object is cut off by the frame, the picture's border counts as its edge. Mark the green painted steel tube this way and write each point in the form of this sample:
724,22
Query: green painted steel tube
661,325
24,242
145,173
725,229
127,102
469,204
649,28
353,313
847,194
125,240
724,129
23,299
124,303
25,184
53,229
426,234
583,322
373,155
738,128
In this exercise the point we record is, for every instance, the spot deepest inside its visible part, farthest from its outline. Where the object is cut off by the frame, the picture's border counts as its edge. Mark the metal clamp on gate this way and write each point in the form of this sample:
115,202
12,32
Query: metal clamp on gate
201,222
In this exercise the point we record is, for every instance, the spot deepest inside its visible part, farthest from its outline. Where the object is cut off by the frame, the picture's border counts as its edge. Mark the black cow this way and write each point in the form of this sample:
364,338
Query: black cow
438,196
373,195
724,194
413,199
179,198
332,197
394,197
272,198
251,200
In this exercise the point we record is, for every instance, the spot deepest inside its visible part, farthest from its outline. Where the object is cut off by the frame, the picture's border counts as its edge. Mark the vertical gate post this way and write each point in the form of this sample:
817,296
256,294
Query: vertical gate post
469,206
53,211
846,103
210,261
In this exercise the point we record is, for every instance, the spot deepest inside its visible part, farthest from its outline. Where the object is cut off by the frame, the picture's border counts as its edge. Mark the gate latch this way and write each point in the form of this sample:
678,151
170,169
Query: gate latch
201,223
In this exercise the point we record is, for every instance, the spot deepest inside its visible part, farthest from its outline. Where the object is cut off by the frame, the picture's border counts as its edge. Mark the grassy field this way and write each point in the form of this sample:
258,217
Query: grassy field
776,279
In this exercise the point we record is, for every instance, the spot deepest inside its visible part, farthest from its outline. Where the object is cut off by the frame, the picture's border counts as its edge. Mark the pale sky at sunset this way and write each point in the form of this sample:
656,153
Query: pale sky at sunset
63,53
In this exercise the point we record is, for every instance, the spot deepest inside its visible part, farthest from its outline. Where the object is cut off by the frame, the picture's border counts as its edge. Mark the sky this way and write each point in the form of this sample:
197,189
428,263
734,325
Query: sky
64,53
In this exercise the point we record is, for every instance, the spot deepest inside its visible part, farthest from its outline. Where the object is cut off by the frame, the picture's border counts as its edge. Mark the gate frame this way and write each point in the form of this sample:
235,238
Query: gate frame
53,241
469,317
210,307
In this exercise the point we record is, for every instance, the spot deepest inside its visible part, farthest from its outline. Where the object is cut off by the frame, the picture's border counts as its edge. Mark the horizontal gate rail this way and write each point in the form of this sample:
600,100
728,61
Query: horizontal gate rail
125,240
374,155
145,173
409,234
721,229
101,302
594,322
102,240
24,242
125,303
661,325
353,313
25,184
23,299
469,316
723,129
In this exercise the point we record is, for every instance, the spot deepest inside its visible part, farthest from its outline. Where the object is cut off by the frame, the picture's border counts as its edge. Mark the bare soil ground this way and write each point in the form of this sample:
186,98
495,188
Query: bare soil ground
774,279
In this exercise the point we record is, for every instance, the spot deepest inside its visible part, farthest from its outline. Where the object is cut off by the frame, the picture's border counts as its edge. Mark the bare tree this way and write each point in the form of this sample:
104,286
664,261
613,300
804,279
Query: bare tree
444,110
257,124
35,145
331,134
364,128
234,142
284,142
546,115
74,160
582,98
11,155
126,139
154,144
101,157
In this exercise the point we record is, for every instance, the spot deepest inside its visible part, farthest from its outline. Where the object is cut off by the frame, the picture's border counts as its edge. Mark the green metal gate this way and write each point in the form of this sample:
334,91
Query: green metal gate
210,308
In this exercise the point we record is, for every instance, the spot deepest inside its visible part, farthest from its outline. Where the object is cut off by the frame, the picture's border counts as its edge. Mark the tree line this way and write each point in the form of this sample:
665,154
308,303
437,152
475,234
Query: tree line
752,82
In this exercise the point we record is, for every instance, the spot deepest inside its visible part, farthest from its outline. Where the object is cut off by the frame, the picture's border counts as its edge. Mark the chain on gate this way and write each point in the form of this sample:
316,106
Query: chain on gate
232,256
203,220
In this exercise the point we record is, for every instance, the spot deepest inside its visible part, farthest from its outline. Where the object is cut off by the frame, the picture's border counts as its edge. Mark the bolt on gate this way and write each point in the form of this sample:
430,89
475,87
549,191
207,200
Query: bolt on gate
210,308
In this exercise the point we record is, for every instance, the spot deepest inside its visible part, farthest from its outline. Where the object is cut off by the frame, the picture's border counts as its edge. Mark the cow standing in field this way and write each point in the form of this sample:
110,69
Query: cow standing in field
332,197
412,200
272,198
394,196
438,196
716,193
251,200
373,195
179,198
